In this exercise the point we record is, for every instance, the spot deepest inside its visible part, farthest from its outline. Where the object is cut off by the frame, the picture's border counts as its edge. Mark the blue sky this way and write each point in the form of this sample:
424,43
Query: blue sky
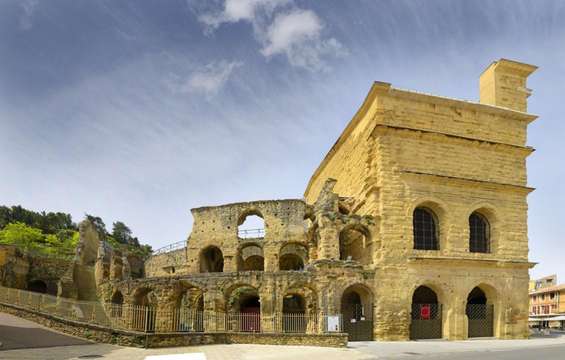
140,110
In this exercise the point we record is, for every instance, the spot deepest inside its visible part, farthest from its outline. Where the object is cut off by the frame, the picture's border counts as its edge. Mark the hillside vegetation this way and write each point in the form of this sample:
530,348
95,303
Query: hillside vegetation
55,233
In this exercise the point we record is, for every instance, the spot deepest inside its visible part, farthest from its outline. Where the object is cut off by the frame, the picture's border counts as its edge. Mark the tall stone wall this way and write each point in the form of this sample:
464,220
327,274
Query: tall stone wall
454,158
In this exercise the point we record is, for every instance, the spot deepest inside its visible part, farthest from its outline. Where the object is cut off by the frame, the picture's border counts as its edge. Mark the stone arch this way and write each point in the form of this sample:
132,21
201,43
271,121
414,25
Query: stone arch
117,298
482,311
244,308
293,256
251,258
251,224
356,307
144,296
211,259
356,302
241,296
299,309
307,292
355,244
38,286
427,315
188,314
144,312
116,303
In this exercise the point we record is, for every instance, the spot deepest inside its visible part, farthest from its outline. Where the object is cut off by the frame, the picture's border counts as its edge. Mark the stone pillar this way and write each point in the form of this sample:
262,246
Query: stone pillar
329,238
268,307
214,319
271,256
456,319
230,262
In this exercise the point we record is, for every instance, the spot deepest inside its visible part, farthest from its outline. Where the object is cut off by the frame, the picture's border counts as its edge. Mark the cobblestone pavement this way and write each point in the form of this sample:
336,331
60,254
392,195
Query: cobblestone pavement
63,347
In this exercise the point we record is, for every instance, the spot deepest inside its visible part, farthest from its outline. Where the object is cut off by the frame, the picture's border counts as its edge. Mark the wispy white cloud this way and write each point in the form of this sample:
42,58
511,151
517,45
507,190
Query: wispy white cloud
281,28
238,10
210,79
298,35
28,9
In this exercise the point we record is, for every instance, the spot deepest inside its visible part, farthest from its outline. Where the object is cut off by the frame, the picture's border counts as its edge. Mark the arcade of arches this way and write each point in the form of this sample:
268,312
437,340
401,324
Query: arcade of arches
414,225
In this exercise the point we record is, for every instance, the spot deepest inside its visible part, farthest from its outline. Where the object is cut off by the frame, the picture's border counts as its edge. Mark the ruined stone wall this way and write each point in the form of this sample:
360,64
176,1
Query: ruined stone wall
14,267
218,226
19,269
170,263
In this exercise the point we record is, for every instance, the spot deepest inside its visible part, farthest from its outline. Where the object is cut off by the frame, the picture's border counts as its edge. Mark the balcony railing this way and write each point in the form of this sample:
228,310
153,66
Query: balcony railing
156,319
251,233
170,247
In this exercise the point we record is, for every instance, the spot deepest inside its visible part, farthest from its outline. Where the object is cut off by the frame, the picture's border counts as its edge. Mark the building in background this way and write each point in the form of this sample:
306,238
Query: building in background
547,303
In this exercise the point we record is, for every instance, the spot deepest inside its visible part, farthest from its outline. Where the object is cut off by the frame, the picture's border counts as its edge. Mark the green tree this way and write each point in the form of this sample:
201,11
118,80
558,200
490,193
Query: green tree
98,225
121,233
23,236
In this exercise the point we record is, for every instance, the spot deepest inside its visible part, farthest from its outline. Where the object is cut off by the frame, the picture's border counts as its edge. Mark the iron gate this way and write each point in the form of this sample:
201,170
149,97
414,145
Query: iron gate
426,321
358,323
480,320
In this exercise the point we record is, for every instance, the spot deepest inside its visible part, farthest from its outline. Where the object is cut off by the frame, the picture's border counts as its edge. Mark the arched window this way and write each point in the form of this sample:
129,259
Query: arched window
251,225
293,257
479,233
354,245
211,260
425,229
251,258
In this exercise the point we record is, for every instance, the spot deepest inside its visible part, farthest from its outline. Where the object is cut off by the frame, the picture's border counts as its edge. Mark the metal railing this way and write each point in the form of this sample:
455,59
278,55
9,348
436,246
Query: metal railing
251,233
170,247
161,319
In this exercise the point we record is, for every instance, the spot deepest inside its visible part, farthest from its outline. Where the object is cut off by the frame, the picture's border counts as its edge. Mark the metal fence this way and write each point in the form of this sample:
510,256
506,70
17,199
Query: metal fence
155,319
170,247
251,233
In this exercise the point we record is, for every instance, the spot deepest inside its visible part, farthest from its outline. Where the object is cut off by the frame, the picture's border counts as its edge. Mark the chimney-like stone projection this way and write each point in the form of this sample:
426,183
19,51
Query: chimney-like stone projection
503,84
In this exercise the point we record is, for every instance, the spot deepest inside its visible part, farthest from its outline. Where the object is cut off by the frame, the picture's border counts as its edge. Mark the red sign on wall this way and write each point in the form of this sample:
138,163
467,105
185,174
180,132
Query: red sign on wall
425,312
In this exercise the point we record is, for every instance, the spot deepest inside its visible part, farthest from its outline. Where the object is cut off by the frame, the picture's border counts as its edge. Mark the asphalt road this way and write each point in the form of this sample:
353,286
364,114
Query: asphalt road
25,340
16,333
552,352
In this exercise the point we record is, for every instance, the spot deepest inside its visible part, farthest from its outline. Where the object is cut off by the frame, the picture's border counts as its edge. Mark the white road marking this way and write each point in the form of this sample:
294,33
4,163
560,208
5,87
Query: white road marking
189,356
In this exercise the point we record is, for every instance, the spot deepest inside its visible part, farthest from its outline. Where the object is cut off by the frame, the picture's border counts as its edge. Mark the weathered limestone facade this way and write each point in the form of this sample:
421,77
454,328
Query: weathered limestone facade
419,193
405,150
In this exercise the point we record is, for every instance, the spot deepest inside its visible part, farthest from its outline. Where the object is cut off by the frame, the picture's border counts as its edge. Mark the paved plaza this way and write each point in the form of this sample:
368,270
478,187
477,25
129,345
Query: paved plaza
25,340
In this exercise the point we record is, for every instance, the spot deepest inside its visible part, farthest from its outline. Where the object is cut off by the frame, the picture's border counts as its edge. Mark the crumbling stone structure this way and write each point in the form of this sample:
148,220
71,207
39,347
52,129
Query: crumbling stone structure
413,226
30,271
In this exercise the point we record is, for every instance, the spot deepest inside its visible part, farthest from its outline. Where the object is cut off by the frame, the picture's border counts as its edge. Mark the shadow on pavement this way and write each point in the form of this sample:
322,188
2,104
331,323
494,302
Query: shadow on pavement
13,337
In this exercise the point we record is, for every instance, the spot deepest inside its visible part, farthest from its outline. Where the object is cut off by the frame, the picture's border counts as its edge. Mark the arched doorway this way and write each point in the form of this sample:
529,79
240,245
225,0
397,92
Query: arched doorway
144,310
294,314
38,286
245,310
211,260
426,322
116,304
251,258
480,314
354,244
357,312
189,315
293,257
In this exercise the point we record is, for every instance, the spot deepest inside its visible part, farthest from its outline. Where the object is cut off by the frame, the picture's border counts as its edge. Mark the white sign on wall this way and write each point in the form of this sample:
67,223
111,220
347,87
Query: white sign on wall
333,324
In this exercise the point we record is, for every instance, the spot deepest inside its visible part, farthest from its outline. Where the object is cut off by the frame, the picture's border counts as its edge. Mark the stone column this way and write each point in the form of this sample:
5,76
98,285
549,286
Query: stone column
271,257
213,319
268,306
329,238
230,262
